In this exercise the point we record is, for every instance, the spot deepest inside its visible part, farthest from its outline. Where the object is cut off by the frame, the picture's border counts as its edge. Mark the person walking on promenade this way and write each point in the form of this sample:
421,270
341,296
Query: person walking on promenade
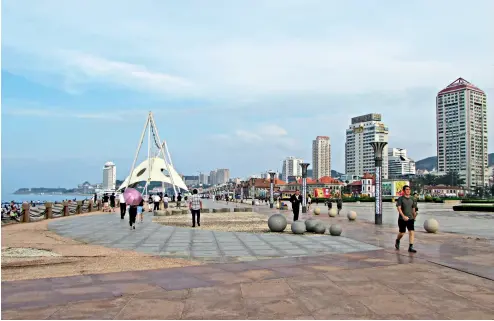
105,202
407,210
123,206
296,200
112,202
156,199
166,200
179,199
309,201
339,204
140,213
95,199
195,206
132,216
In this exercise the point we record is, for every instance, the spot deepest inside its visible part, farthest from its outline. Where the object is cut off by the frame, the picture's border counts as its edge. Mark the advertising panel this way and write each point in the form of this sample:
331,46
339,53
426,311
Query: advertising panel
322,192
399,187
387,188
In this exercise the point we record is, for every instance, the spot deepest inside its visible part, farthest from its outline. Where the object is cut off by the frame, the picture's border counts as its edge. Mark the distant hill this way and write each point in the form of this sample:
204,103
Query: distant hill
430,163
335,174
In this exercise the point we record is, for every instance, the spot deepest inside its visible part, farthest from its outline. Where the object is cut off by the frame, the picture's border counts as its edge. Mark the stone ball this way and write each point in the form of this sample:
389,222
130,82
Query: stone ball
320,228
332,212
317,211
277,223
352,215
310,224
431,225
298,227
335,230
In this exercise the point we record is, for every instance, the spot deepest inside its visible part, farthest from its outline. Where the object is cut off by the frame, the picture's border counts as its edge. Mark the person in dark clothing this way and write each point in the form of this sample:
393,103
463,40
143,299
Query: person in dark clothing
330,204
339,205
132,216
95,199
105,202
112,202
179,199
296,200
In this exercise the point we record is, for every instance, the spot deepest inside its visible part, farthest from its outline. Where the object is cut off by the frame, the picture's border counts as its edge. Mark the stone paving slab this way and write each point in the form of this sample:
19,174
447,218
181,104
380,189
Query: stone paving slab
152,238
331,286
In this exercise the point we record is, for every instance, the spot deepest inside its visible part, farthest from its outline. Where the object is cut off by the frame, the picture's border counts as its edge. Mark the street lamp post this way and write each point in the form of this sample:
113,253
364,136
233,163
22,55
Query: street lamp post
253,189
304,186
271,189
378,158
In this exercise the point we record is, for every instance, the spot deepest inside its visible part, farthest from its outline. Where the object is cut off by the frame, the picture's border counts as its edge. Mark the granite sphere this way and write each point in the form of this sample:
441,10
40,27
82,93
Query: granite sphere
335,230
352,215
320,228
310,224
317,211
332,212
277,223
298,227
431,225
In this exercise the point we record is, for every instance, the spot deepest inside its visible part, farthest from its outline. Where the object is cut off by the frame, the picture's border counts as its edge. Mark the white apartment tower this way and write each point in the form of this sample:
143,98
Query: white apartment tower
212,178
222,175
359,155
109,176
291,167
321,157
399,163
461,114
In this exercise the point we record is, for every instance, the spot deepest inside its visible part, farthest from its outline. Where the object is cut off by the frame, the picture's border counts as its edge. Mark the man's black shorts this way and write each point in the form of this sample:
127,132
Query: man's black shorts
406,225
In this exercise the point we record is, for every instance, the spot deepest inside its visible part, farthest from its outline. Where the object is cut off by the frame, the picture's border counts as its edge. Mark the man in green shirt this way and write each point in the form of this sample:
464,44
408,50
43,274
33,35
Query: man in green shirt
407,209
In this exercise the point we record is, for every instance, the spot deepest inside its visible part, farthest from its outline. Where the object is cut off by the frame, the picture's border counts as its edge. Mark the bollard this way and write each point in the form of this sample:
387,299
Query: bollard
49,210
78,209
26,212
65,208
90,206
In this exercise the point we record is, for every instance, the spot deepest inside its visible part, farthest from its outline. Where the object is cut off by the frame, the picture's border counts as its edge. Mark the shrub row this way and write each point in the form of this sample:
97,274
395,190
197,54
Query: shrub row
474,208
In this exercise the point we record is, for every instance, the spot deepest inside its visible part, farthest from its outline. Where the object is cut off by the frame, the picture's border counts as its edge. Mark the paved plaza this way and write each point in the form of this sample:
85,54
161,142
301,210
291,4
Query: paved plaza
213,246
358,275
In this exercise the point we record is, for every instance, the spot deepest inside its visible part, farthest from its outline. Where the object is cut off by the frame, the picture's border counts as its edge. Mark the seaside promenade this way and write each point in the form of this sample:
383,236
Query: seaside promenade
106,271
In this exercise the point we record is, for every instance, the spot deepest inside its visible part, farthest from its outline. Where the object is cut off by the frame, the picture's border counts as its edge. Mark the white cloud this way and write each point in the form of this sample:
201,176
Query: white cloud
89,68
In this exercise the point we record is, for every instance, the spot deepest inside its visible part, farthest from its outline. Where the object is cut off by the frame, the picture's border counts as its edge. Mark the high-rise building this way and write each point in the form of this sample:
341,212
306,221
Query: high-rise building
399,163
461,114
291,167
222,176
359,154
321,157
109,176
212,178
203,178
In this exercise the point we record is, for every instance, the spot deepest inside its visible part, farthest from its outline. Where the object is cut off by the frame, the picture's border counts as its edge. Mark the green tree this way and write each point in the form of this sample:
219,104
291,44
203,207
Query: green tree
451,178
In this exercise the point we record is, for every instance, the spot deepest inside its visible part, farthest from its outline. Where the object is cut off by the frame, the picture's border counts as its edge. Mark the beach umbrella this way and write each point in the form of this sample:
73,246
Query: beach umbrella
132,196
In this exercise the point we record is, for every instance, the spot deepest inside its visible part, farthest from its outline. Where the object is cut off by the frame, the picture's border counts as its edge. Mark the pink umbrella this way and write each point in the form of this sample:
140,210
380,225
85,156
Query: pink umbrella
132,196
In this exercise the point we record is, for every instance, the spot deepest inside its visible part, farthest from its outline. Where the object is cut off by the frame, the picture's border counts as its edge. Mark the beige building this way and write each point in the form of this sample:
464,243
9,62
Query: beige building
321,157
359,154
461,114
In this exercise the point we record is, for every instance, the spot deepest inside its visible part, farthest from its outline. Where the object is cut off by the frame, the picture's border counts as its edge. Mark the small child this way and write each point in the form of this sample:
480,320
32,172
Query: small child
140,216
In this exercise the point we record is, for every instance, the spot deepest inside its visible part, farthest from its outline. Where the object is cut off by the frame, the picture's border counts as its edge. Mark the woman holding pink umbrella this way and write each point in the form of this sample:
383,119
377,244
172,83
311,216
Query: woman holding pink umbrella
132,198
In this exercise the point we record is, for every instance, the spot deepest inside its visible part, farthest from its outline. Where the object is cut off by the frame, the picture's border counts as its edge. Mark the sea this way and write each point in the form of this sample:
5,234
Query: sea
20,198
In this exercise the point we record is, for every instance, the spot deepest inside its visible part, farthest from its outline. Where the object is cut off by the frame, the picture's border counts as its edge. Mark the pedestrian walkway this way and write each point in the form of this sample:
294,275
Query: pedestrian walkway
367,285
210,246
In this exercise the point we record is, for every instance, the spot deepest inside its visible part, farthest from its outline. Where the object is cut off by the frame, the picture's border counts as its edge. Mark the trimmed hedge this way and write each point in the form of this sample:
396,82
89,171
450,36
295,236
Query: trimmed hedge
476,201
474,208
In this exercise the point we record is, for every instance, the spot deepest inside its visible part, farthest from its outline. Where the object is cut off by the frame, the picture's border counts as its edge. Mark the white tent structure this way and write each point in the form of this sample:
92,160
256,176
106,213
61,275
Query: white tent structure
154,168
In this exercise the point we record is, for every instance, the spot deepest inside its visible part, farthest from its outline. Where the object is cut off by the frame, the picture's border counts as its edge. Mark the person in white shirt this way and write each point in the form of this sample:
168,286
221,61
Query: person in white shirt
123,206
165,201
195,206
156,200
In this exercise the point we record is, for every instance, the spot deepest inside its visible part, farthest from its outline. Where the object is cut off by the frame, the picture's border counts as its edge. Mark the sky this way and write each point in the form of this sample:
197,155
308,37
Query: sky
232,84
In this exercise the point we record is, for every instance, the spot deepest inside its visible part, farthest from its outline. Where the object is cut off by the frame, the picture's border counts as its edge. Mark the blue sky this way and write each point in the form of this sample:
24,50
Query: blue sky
235,84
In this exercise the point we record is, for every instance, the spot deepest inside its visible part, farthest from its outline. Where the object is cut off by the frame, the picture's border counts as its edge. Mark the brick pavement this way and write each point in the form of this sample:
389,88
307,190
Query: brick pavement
377,284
